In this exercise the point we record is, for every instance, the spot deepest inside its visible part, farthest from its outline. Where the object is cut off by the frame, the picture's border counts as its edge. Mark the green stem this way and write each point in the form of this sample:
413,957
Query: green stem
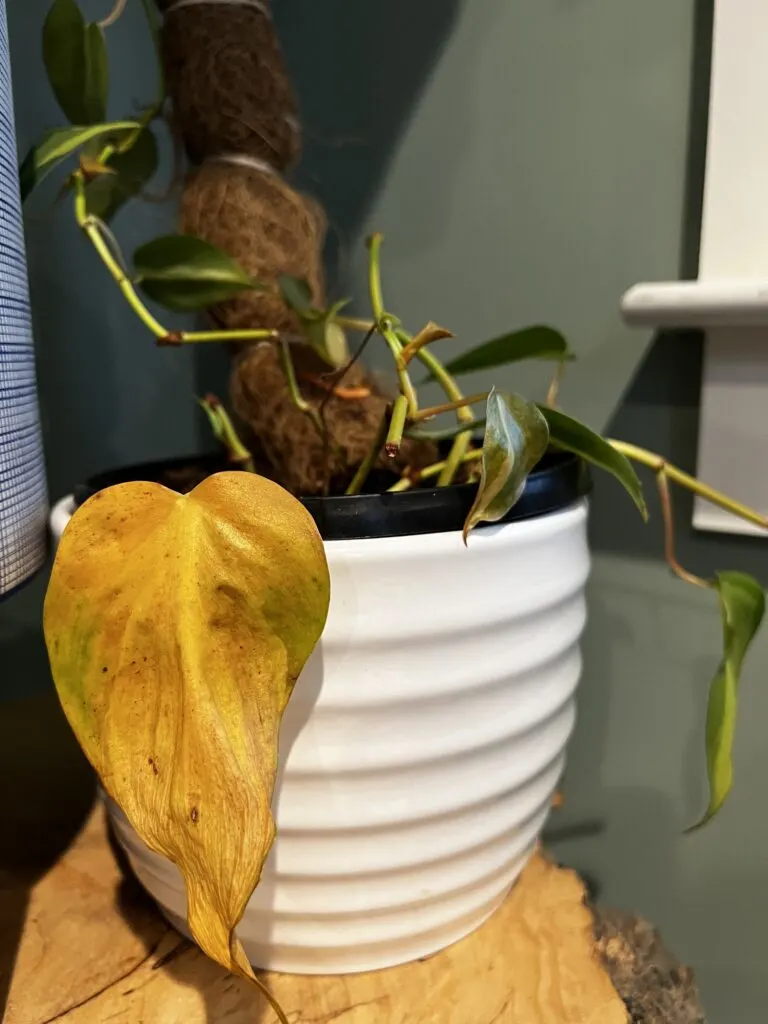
260,334
424,474
437,410
224,432
293,388
91,229
463,414
353,323
361,475
385,324
396,426
657,463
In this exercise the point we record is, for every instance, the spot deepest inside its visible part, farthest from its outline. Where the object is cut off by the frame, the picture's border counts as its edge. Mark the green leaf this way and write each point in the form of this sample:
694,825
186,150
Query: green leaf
530,343
60,143
573,436
516,437
75,59
296,293
182,272
96,75
742,605
133,168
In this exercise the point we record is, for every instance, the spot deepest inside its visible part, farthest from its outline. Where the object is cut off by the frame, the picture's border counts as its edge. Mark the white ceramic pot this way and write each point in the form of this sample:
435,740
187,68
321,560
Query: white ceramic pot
421,748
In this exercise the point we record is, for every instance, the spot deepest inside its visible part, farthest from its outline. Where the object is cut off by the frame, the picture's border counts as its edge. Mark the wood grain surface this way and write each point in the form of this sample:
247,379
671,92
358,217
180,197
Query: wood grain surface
80,943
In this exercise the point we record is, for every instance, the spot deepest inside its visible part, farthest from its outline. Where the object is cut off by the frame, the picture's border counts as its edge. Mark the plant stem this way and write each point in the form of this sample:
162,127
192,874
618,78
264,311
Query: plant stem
259,334
665,500
425,336
463,414
224,432
353,323
293,388
690,483
436,410
396,426
385,325
339,375
554,385
91,229
113,15
361,475
424,474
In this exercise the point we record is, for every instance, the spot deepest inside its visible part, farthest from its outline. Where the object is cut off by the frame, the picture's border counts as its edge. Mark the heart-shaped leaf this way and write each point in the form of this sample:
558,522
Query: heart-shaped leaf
573,436
75,58
182,272
516,437
60,143
131,170
742,606
530,343
176,627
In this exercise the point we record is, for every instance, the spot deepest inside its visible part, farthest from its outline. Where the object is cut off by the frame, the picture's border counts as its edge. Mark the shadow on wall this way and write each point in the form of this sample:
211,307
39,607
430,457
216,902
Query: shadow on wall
358,70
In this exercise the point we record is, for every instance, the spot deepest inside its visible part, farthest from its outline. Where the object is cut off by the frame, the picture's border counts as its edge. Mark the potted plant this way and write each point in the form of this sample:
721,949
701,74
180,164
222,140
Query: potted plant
423,614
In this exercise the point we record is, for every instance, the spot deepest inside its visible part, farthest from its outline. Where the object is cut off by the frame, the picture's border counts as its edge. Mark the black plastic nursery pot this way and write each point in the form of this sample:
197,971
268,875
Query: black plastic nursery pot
558,481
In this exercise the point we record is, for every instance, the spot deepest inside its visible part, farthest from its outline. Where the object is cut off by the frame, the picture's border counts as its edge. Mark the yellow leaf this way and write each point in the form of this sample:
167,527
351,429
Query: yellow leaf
176,628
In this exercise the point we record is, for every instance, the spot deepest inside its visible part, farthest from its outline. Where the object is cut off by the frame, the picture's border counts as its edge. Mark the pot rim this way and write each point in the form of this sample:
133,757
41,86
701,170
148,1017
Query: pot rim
559,480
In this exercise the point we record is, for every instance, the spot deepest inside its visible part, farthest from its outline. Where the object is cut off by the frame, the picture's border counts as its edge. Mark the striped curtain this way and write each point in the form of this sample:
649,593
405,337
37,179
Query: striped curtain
23,500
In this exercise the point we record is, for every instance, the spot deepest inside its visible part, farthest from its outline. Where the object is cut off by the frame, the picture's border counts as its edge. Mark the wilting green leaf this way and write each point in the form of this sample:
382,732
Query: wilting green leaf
61,143
529,343
176,627
75,58
742,605
573,436
296,293
187,273
516,437
132,169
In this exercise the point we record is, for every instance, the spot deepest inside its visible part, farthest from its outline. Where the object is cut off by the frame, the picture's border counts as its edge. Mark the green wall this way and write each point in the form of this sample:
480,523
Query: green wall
551,155
527,161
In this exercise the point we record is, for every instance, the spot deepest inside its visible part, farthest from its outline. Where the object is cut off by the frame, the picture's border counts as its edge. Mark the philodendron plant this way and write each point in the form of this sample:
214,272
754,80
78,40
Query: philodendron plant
177,625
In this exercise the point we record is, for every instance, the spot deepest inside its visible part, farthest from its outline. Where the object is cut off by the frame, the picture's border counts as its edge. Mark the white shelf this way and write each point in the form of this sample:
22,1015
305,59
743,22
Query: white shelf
697,304
729,301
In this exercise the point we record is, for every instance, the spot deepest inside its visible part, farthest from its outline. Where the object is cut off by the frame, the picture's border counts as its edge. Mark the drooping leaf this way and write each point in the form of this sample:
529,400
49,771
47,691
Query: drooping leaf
742,606
75,59
572,436
60,143
296,293
530,343
182,272
516,437
176,627
131,170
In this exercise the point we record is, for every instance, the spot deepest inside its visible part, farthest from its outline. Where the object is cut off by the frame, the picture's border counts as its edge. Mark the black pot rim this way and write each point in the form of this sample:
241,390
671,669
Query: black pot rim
559,480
